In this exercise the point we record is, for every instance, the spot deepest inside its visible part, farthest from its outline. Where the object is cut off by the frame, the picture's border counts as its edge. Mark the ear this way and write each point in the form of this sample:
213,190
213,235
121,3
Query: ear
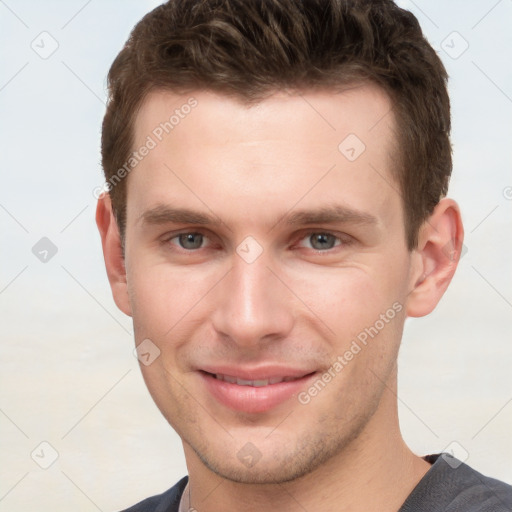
112,252
436,257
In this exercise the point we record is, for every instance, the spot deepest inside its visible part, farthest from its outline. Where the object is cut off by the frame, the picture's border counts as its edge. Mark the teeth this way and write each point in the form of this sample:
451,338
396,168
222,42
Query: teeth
254,383
259,383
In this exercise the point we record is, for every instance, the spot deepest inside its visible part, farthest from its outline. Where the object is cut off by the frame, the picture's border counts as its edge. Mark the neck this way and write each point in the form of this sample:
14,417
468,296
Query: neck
377,471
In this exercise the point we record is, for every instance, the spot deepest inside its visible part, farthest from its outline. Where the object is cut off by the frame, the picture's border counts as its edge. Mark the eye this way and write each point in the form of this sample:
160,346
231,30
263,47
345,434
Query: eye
322,241
188,241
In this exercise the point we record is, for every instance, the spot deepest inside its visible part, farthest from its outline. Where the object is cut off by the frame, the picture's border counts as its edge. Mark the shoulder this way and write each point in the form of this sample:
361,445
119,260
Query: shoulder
168,501
452,486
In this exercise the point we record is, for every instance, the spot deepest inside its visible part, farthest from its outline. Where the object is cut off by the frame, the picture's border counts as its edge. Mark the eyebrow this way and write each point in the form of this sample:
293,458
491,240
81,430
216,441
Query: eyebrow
163,214
329,215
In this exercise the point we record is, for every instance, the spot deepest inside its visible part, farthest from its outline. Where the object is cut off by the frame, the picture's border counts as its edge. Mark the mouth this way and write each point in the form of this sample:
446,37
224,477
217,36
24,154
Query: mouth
254,392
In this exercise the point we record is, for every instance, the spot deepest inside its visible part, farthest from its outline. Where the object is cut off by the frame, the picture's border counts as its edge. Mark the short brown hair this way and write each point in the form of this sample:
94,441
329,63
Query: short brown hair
251,48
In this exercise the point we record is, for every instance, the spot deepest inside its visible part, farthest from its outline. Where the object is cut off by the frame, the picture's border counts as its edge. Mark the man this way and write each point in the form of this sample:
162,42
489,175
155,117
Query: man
276,173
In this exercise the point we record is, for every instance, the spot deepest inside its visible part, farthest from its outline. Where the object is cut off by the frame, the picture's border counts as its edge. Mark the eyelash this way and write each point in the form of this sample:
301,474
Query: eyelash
344,240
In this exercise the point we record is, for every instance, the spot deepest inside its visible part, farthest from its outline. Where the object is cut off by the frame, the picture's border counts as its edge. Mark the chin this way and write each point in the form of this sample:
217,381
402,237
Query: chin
276,464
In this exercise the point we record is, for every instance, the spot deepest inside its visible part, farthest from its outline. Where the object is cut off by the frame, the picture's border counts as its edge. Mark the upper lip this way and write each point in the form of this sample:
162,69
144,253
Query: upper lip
257,373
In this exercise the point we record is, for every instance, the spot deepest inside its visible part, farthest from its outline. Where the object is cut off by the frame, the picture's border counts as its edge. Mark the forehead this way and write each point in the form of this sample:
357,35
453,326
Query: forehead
360,108
312,146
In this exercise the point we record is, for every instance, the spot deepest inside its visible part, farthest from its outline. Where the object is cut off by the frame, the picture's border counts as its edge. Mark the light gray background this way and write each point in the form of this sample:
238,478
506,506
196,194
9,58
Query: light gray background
69,377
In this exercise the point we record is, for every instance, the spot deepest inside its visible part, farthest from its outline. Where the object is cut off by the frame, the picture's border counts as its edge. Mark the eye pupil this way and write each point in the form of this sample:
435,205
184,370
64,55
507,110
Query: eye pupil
191,240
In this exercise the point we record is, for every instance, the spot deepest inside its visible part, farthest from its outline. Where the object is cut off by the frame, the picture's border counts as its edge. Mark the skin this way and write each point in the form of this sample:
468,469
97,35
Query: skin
299,304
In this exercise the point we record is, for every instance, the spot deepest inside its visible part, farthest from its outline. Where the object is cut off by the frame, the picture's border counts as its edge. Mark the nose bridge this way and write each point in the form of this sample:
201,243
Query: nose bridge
251,303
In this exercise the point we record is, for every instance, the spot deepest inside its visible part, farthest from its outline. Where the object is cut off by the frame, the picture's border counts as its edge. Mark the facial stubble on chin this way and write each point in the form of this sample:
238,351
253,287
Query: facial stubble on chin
311,452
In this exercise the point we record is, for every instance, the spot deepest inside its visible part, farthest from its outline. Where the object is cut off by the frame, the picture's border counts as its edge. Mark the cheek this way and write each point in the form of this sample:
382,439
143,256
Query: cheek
163,297
346,299
365,315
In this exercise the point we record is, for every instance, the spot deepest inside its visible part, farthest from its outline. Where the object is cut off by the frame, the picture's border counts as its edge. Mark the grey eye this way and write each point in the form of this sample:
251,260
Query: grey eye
190,240
322,241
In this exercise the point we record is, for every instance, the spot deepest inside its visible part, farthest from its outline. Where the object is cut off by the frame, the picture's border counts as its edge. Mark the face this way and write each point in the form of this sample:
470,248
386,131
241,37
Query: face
266,262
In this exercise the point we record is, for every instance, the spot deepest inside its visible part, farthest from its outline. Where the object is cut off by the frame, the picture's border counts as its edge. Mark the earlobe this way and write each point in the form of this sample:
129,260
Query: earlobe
436,258
112,253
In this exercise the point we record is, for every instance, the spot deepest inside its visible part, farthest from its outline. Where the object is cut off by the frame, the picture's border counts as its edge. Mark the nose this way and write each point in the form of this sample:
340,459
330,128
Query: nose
253,304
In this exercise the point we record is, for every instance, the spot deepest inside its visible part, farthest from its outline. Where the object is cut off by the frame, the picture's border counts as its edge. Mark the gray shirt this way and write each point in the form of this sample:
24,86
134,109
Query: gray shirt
452,486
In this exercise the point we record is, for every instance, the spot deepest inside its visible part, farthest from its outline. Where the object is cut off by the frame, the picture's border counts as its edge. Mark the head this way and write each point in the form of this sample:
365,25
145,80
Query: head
284,218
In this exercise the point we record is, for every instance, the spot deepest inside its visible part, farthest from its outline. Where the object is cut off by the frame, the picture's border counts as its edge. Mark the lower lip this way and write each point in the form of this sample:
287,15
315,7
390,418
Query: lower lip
253,399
